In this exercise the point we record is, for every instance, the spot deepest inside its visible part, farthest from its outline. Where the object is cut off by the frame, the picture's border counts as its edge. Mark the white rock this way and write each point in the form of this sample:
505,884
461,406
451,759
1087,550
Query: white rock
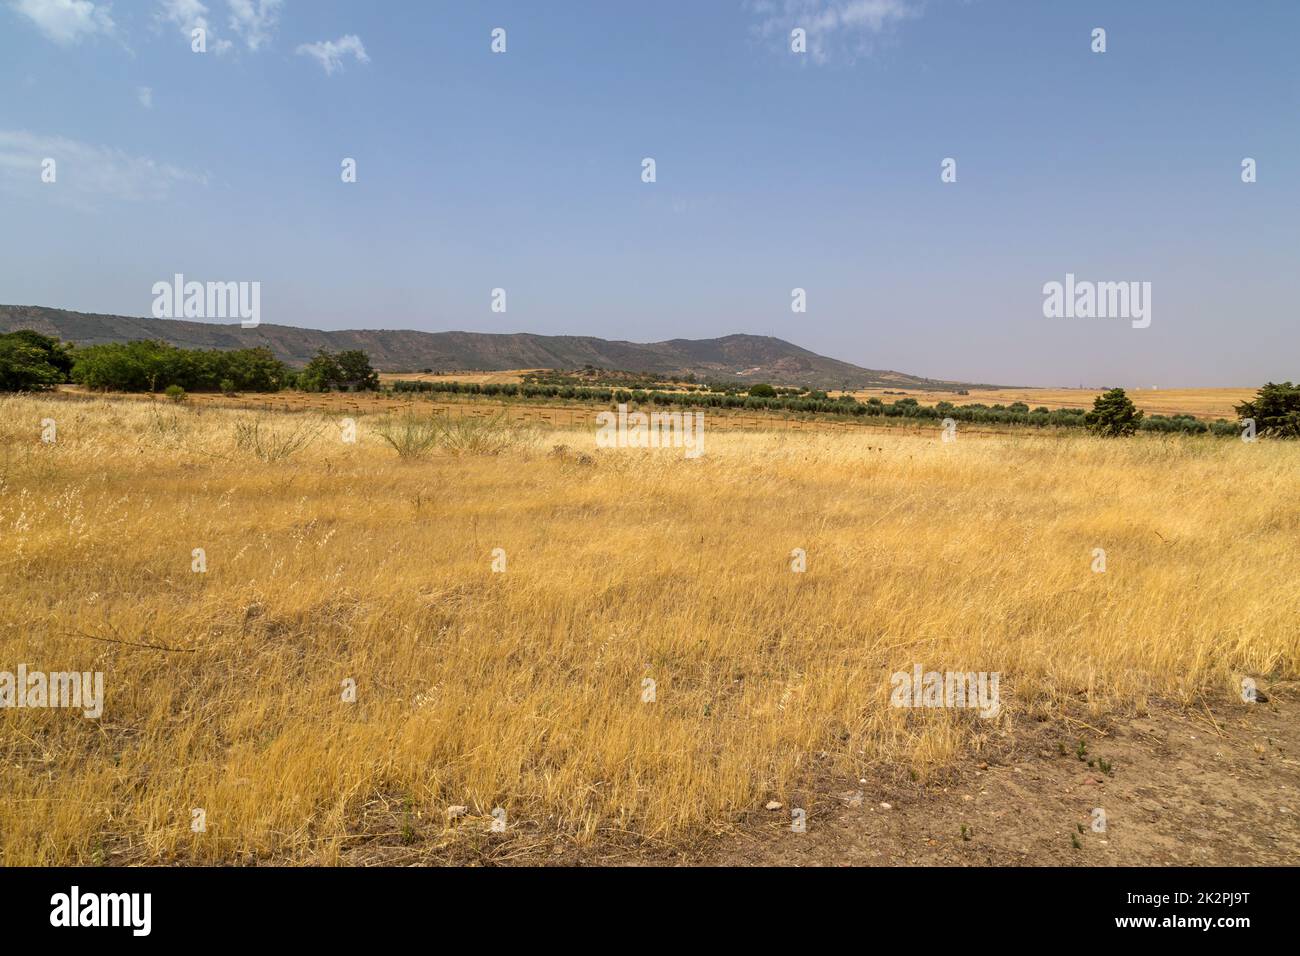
774,805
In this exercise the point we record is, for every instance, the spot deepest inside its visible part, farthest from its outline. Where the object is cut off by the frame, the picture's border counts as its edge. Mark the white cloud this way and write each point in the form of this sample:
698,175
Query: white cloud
145,95
255,20
330,53
69,21
85,173
837,29
66,21
191,15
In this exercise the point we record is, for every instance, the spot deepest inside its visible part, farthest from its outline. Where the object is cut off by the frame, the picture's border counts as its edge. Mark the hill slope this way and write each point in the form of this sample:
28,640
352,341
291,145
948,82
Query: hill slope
749,357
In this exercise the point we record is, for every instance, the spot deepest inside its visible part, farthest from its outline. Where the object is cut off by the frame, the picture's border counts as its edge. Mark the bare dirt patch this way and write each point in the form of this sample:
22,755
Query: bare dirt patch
1185,788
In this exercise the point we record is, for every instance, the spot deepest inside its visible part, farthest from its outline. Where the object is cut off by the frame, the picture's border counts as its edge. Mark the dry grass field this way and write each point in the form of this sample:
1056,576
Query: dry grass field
509,377
329,563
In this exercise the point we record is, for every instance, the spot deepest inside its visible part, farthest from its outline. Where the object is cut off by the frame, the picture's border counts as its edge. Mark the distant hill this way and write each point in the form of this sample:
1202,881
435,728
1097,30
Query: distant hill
746,357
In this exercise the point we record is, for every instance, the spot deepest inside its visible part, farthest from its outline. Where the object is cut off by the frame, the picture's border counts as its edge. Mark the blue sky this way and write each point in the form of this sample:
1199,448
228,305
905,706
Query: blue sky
775,170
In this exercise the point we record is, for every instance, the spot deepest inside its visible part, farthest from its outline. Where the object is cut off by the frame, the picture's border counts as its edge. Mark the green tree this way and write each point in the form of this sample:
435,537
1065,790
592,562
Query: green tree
255,370
146,366
355,366
321,374
1275,409
30,361
1113,414
120,366
762,390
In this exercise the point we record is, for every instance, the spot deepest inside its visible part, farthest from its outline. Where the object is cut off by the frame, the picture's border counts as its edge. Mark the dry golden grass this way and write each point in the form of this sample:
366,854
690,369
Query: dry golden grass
505,377
523,689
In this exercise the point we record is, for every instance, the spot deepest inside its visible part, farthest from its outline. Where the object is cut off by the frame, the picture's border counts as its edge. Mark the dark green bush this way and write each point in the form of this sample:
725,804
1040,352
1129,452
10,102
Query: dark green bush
1275,409
30,361
1113,415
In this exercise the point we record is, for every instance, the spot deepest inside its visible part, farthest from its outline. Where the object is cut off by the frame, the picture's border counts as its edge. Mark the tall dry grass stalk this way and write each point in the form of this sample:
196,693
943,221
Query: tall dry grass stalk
523,689
415,434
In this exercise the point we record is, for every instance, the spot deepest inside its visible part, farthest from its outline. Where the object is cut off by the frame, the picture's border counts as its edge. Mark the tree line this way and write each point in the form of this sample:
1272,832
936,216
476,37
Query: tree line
30,361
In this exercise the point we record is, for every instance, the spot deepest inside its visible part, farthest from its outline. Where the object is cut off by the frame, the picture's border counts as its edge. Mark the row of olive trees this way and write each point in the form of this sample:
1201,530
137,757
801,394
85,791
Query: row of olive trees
1113,414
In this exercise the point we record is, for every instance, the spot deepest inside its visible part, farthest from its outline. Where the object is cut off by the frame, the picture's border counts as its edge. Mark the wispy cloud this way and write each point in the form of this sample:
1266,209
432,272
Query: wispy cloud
836,29
330,53
145,95
66,21
255,20
85,173
189,15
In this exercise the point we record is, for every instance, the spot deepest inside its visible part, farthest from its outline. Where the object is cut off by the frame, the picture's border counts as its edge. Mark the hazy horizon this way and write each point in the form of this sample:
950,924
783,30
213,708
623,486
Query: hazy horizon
775,170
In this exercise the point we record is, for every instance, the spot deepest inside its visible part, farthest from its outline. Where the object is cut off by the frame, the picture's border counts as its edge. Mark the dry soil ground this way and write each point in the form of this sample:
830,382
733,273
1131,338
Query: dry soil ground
1185,788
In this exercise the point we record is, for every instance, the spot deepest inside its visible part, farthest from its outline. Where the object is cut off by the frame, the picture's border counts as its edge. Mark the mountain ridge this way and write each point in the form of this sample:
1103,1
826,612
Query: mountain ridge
737,356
